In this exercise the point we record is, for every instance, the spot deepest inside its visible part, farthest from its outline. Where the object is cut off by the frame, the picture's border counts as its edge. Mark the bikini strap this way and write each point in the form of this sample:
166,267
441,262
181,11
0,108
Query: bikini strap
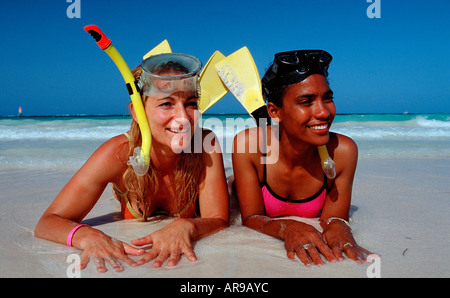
264,130
124,196
264,174
325,182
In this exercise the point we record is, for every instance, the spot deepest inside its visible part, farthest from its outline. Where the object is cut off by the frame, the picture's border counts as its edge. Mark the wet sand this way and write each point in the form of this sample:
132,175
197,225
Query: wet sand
400,210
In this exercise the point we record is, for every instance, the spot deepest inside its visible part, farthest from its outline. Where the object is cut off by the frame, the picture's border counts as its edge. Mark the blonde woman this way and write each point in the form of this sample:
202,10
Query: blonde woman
180,182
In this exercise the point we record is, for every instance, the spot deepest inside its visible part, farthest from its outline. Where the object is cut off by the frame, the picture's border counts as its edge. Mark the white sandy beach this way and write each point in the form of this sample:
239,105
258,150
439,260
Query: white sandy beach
400,210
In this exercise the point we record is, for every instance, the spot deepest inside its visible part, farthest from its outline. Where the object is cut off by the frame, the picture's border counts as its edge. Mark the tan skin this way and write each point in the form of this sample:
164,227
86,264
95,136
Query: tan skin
108,163
304,120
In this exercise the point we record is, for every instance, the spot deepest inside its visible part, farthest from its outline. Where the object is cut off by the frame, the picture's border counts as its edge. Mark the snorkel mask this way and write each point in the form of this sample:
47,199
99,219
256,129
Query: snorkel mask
293,67
168,73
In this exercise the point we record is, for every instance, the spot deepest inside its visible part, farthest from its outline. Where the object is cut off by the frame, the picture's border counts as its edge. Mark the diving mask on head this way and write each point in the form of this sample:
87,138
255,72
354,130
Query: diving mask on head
295,66
168,73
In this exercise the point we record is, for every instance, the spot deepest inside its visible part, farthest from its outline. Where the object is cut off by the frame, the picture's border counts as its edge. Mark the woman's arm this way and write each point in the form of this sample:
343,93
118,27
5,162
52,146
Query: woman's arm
294,234
345,155
213,192
75,201
176,238
334,217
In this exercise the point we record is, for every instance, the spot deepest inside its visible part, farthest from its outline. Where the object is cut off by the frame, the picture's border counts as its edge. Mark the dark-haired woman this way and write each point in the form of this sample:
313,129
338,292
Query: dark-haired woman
289,180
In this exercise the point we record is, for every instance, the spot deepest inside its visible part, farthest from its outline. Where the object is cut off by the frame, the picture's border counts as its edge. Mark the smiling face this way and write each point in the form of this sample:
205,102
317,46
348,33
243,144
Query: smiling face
307,110
173,118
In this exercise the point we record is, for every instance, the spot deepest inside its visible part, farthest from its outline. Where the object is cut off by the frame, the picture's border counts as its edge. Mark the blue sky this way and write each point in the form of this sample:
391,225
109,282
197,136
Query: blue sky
51,66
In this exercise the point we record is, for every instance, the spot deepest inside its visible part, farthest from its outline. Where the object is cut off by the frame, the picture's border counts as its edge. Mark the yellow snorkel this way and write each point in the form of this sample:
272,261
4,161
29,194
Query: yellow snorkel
140,161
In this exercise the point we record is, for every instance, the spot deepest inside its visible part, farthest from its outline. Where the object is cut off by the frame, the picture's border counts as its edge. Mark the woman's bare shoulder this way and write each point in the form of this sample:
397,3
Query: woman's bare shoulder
116,148
344,151
342,144
110,157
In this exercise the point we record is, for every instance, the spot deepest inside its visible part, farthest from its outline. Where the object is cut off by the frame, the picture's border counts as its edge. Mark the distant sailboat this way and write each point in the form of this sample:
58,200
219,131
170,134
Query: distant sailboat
20,112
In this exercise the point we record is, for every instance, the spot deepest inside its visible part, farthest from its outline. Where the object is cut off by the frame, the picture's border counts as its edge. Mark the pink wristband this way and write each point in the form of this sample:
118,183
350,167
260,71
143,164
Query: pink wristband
69,238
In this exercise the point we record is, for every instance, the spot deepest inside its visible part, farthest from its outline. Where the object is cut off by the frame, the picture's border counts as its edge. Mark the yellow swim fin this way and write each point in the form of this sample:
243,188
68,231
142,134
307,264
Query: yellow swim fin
239,73
212,88
162,48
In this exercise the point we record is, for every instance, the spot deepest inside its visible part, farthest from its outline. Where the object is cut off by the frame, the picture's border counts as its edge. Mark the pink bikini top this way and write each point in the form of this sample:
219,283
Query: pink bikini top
276,205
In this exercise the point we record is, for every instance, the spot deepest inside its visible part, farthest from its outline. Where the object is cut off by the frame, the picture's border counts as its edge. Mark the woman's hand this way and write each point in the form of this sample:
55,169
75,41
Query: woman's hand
101,249
340,239
305,241
170,243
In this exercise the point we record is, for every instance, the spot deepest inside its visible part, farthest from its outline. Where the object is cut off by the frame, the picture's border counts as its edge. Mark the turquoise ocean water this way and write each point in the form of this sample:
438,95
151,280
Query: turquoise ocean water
66,141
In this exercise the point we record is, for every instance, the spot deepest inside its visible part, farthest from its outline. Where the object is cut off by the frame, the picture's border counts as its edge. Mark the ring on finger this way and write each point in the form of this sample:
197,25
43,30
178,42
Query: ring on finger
307,245
347,244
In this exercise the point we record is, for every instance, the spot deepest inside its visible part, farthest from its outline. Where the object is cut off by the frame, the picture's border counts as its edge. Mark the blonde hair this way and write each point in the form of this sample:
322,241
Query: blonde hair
188,175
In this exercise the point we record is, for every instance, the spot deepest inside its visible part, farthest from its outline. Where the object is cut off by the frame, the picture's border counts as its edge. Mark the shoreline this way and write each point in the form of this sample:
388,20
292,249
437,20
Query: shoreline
207,114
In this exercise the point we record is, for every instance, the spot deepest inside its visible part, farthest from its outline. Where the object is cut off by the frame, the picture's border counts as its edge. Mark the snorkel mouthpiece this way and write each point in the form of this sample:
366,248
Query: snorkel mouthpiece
328,165
140,161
